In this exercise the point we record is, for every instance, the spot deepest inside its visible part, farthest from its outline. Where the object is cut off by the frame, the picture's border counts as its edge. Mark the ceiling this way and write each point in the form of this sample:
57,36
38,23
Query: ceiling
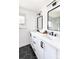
34,5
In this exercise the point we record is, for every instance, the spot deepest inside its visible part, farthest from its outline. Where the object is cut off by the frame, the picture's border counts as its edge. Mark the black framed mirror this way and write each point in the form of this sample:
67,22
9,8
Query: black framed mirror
39,22
53,19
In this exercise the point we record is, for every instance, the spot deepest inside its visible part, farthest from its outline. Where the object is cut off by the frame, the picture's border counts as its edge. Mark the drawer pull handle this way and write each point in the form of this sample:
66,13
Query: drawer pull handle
34,37
42,45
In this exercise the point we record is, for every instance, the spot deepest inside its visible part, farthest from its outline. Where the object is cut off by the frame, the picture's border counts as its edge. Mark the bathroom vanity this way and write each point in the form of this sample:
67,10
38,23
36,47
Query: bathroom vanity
45,46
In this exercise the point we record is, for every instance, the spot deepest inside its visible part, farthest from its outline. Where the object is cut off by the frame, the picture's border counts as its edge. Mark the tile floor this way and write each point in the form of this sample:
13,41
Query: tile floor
26,52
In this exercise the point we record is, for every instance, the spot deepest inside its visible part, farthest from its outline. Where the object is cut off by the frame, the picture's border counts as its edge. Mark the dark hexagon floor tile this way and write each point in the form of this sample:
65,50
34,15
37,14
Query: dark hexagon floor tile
26,52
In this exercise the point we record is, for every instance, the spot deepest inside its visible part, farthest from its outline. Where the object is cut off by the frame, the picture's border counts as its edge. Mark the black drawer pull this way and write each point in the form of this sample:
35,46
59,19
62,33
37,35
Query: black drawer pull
54,3
42,44
34,37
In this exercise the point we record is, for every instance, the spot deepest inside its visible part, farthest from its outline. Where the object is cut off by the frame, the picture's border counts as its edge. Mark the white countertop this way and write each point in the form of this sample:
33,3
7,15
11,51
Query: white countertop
53,41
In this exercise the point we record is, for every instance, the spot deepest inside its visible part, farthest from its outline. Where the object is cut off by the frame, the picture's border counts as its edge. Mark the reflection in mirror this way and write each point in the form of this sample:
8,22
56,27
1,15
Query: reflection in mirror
40,23
54,19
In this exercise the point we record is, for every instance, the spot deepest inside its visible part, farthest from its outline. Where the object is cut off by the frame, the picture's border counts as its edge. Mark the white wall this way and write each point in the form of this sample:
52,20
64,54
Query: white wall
24,36
23,39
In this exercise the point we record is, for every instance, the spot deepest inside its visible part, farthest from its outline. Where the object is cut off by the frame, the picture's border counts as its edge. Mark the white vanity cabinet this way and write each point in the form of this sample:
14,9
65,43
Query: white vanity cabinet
49,52
36,45
42,48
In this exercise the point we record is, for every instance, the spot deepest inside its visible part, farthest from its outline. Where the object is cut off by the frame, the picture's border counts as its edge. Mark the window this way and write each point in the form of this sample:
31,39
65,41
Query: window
21,20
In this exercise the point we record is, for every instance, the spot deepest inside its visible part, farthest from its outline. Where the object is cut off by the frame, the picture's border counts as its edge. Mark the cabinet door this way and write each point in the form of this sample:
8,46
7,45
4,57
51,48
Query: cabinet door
36,45
49,52
41,50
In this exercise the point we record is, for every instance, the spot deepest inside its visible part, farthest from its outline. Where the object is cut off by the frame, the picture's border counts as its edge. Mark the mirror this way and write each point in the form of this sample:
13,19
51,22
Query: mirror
39,22
54,19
